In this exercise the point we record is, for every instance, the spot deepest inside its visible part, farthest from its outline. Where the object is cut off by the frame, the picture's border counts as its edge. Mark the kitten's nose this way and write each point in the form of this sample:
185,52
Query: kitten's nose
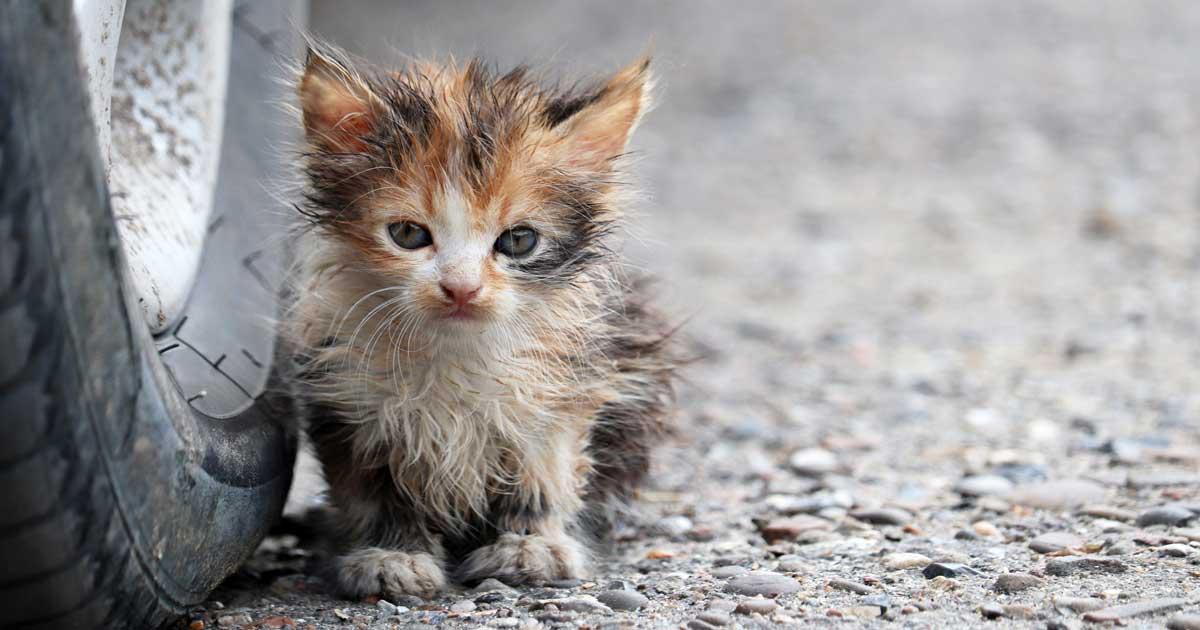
459,292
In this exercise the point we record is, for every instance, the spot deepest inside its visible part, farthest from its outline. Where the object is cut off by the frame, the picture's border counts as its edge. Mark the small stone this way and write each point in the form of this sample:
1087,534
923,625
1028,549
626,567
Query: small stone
504,622
1184,622
277,621
991,610
983,486
700,624
725,573
948,570
1108,512
848,585
493,585
622,600
462,606
1051,542
1086,564
1018,611
763,583
985,529
791,528
232,621
722,605
1057,495
1119,548
879,600
791,564
1165,515
580,604
883,516
660,554
1177,550
813,462
863,612
387,607
899,561
715,618
756,605
1079,604
1135,609
673,526
1016,582
1158,479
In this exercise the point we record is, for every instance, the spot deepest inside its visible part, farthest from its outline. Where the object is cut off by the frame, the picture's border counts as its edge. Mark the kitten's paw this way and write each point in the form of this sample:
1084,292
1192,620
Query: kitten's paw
386,572
517,559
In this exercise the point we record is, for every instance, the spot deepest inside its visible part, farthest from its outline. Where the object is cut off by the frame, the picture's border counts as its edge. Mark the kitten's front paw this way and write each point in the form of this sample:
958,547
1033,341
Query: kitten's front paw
517,559
386,572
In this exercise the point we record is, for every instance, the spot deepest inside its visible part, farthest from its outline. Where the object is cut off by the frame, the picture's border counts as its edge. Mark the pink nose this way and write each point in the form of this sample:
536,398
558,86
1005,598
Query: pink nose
460,294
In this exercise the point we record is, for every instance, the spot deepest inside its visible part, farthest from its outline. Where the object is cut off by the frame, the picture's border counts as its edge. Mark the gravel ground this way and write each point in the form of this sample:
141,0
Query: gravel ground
939,260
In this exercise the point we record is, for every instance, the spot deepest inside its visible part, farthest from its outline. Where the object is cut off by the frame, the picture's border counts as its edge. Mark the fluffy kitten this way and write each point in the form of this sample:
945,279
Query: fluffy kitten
482,380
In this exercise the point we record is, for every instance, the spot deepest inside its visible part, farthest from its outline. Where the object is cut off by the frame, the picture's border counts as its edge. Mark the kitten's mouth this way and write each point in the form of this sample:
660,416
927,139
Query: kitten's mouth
461,313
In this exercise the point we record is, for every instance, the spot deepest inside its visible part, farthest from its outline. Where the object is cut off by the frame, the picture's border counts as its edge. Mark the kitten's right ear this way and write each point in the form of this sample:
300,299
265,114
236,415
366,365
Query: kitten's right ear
339,106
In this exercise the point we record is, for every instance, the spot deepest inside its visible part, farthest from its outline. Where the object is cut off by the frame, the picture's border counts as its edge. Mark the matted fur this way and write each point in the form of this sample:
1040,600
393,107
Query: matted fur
486,440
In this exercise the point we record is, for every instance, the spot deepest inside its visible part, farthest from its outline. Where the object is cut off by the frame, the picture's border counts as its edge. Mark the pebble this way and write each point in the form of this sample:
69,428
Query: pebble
493,585
1165,515
725,573
985,529
1108,512
1184,622
673,526
387,607
715,618
851,586
879,600
813,462
983,486
1135,609
791,564
1017,472
462,606
1079,604
759,605
231,621
1015,582
790,528
1086,564
1119,548
883,516
581,604
992,610
1177,550
1057,495
948,570
898,561
1157,479
622,600
1051,542
762,583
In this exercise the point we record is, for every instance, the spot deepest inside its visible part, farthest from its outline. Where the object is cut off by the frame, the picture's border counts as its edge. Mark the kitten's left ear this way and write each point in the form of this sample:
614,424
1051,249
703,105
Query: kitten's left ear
597,133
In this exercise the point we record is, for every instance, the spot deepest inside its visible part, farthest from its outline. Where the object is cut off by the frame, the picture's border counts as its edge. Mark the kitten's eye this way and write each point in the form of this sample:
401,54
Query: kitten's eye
517,242
410,235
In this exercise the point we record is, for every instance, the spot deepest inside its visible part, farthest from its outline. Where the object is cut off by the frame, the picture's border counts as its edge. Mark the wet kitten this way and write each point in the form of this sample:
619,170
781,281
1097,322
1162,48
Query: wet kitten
483,381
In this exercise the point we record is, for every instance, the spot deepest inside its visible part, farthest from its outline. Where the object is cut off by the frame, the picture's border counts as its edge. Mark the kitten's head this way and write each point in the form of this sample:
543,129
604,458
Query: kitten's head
475,197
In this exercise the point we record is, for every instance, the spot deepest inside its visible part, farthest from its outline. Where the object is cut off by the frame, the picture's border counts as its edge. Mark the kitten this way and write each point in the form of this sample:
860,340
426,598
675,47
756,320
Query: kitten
482,380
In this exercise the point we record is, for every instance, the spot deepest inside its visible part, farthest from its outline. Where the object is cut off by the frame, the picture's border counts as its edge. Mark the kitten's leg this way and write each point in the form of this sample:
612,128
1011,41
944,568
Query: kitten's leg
536,520
389,553
384,548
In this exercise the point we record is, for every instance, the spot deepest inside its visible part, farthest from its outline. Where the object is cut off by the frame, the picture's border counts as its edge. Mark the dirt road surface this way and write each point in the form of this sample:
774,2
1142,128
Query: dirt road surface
940,262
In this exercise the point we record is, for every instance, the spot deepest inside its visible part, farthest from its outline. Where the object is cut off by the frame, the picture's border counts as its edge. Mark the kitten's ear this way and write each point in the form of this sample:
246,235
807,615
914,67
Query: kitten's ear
598,132
338,105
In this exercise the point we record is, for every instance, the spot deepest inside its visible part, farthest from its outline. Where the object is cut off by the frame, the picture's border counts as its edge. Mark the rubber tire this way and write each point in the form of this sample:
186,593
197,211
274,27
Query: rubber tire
122,504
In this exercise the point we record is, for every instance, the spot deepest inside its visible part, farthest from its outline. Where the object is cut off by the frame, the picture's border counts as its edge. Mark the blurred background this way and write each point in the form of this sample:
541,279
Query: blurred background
934,257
